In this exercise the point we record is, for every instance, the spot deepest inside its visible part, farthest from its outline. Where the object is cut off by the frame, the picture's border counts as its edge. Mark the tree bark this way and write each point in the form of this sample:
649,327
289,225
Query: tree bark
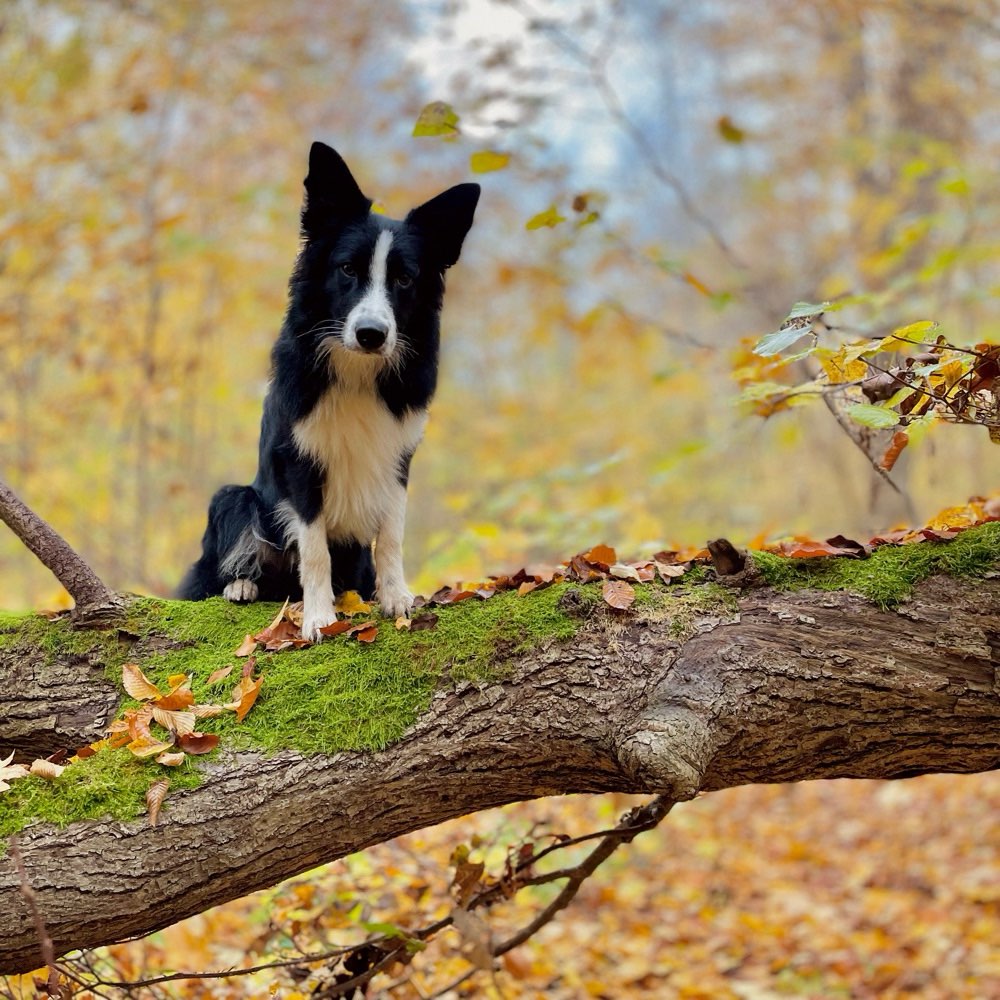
792,686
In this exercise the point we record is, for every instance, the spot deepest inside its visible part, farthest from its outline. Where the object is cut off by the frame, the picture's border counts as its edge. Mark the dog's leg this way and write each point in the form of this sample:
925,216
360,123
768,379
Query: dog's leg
393,595
314,572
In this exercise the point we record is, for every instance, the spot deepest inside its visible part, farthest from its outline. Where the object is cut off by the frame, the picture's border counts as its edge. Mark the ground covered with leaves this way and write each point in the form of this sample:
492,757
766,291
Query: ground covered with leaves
845,889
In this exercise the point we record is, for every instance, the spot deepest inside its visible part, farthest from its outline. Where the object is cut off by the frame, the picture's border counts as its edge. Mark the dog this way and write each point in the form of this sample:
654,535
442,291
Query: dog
352,373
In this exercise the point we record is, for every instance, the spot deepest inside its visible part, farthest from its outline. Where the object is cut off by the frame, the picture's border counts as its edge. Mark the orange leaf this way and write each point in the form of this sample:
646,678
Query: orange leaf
602,555
244,695
899,441
136,683
197,743
365,632
336,628
147,746
618,594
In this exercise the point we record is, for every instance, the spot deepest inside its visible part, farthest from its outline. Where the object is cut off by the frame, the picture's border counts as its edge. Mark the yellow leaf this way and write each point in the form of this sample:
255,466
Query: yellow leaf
349,603
437,118
549,218
487,161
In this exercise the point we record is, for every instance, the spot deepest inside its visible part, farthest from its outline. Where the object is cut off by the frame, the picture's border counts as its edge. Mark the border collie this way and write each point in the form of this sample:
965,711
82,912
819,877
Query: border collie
352,373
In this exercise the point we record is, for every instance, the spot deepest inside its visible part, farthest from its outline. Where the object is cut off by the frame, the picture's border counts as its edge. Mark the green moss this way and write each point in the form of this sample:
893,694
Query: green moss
888,576
111,784
681,604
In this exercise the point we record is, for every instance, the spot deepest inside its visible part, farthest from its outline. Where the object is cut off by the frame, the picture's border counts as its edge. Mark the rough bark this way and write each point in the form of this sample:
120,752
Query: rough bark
794,686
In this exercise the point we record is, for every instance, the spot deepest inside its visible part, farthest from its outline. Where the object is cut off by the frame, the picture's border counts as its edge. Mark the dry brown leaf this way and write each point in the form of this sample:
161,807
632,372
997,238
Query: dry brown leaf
137,684
244,695
10,771
601,555
336,628
618,594
245,648
197,743
403,623
365,632
422,622
466,880
179,722
155,795
222,673
148,746
171,759
177,698
622,571
207,711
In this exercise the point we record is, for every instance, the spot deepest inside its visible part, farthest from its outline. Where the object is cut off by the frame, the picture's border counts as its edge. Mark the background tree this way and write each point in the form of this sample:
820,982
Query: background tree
713,165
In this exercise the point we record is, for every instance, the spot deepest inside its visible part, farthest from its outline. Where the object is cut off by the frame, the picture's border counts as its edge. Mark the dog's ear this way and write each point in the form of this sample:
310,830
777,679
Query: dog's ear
332,194
443,222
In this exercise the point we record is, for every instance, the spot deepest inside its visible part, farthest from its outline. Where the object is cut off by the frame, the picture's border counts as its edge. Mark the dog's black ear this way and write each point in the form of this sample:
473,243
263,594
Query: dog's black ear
443,222
332,194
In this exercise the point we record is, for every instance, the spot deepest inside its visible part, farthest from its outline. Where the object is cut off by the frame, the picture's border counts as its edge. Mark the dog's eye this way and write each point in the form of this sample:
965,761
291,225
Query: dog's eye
404,280
348,269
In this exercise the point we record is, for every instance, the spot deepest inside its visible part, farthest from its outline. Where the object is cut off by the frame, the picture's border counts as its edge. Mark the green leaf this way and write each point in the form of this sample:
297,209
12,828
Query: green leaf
775,343
914,331
487,161
437,118
872,416
803,310
549,218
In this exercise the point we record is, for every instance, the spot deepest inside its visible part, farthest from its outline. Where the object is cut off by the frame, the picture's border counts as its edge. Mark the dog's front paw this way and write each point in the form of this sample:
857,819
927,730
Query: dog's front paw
394,601
313,619
240,591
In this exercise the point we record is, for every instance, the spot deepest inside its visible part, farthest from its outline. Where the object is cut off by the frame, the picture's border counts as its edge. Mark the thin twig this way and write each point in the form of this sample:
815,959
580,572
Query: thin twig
45,946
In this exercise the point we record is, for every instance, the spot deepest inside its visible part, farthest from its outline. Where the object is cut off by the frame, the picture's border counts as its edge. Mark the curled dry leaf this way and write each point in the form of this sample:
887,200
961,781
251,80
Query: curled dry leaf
422,622
899,441
618,594
155,795
336,628
179,722
197,743
601,555
365,632
9,771
223,672
622,571
403,624
137,684
171,759
177,698
245,648
207,711
244,695
147,746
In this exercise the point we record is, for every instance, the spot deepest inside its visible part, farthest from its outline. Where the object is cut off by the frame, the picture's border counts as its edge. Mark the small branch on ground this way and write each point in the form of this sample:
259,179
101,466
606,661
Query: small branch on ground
96,603
45,948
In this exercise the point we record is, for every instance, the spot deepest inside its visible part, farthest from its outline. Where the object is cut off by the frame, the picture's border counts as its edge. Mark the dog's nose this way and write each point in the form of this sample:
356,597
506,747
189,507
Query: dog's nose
371,338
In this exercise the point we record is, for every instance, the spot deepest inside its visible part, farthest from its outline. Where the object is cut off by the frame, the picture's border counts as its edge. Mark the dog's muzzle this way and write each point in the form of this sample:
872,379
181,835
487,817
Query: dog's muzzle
371,337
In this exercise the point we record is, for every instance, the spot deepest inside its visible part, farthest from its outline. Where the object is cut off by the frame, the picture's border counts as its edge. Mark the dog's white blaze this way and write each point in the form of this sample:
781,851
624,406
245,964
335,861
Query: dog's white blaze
352,434
374,309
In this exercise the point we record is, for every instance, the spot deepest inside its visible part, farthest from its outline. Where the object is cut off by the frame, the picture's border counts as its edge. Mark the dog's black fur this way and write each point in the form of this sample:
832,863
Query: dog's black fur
360,337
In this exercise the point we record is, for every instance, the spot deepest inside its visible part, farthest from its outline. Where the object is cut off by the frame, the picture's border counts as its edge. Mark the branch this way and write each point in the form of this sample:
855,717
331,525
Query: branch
96,604
711,691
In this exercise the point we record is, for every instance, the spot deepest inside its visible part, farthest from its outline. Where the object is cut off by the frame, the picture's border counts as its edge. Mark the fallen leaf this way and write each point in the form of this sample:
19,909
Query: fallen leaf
349,603
136,683
148,746
10,771
618,594
365,632
171,759
601,555
336,628
245,648
207,711
244,695
177,698
178,722
899,441
197,743
622,571
155,795
223,672
403,623
487,161
422,622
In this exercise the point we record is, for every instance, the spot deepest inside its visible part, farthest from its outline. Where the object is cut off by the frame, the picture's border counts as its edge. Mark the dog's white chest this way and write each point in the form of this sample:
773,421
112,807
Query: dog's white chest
357,440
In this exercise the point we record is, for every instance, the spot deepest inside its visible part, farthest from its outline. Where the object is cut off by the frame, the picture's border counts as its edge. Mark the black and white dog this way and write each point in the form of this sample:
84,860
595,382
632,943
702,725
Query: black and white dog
352,374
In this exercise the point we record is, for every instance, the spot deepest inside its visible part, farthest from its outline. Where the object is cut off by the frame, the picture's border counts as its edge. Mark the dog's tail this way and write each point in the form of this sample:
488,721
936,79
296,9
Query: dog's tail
231,546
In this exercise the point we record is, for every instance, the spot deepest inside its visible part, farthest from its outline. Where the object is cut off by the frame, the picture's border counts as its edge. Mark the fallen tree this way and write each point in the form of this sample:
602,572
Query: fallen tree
697,687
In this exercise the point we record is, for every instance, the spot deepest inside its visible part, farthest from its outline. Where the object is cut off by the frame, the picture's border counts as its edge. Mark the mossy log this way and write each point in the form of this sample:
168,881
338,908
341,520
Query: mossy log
696,688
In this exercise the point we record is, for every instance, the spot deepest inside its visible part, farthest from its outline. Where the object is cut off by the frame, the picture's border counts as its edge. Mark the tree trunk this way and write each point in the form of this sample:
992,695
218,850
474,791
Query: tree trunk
782,687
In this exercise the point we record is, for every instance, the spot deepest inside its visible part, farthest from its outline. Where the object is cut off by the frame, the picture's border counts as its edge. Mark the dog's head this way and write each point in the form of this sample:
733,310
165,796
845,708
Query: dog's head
374,272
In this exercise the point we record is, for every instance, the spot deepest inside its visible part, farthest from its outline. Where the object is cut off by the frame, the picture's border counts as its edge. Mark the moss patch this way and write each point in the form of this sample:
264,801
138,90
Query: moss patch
888,576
